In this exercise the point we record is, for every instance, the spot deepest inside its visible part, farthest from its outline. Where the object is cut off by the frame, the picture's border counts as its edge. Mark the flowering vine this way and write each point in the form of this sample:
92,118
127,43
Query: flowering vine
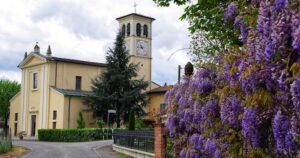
248,104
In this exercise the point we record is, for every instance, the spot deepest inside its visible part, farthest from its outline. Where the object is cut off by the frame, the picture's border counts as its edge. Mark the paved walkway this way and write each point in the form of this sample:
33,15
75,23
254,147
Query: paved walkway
67,150
106,152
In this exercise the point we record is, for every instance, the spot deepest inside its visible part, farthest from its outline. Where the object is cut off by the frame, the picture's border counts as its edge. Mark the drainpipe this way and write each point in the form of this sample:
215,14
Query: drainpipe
69,111
55,73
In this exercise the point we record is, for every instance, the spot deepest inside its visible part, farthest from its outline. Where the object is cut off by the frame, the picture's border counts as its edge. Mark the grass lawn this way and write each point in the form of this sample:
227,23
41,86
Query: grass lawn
16,151
120,155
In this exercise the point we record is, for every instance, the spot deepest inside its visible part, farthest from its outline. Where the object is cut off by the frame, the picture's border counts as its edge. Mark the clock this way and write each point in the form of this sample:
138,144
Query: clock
126,46
141,48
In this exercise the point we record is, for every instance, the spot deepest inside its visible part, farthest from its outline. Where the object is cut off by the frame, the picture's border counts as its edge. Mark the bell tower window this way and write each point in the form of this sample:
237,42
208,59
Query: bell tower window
138,29
128,29
145,29
123,30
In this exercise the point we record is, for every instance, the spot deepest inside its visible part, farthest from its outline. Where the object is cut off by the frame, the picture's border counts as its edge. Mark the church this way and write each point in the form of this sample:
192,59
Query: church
53,88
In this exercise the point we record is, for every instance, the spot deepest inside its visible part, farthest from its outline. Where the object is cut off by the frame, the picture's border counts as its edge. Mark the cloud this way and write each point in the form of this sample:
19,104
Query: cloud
10,75
84,30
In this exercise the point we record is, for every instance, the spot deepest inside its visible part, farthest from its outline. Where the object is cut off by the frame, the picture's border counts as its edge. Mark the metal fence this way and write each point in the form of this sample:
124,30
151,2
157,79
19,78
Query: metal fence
139,140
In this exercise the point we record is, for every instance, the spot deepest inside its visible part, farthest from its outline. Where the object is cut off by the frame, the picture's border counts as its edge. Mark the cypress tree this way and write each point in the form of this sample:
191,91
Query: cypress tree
131,125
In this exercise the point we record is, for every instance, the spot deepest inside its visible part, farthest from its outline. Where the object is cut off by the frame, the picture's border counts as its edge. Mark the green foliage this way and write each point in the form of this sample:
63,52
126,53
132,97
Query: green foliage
100,123
5,145
295,69
117,88
121,155
131,125
209,34
139,123
74,135
80,121
260,97
8,89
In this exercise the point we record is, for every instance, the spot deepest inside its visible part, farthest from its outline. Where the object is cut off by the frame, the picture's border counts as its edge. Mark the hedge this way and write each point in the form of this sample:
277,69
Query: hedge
74,135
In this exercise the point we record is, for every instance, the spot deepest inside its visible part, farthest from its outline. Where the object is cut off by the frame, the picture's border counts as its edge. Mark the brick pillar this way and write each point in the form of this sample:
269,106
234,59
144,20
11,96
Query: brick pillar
159,140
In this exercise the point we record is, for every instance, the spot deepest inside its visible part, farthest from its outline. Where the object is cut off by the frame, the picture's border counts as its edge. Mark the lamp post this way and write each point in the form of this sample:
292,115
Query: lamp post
110,111
179,67
179,73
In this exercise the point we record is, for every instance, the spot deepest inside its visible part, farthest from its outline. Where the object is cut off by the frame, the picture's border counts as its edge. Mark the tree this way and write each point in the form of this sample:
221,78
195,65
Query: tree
8,89
118,87
210,35
80,121
131,124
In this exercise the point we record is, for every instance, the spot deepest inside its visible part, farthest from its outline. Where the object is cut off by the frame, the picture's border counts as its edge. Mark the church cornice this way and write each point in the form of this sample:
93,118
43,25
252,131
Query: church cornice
135,14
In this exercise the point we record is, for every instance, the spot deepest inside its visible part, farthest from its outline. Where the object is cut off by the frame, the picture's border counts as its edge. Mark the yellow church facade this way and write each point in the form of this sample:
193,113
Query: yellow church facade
53,88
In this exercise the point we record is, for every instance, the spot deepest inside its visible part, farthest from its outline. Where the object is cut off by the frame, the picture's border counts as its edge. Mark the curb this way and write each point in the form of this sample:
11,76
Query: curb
98,147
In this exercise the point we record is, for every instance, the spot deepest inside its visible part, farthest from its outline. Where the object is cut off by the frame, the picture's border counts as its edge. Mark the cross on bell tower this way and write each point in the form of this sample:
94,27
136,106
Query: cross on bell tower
135,5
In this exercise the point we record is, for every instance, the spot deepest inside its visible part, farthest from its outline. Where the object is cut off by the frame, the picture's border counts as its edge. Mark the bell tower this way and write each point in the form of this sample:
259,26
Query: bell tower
137,30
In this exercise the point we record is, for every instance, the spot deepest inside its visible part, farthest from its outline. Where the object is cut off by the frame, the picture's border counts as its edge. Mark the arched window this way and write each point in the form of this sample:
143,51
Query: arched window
128,29
145,29
138,29
123,30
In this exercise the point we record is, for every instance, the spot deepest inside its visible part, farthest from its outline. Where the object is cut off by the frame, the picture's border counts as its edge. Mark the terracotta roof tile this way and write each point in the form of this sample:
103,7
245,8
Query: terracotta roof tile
161,89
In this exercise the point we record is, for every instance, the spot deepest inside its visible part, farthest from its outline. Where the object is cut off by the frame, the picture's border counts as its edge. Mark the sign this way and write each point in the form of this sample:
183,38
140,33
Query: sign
112,111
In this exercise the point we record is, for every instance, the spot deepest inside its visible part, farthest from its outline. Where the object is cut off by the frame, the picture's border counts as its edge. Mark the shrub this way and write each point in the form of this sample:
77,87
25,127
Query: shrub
5,145
80,121
74,135
139,123
100,123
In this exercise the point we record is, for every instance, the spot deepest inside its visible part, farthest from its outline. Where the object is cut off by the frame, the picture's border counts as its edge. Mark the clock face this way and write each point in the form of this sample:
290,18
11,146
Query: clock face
127,46
142,48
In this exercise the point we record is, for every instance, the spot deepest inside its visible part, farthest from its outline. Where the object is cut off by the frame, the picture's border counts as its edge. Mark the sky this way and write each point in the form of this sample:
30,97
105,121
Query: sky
84,30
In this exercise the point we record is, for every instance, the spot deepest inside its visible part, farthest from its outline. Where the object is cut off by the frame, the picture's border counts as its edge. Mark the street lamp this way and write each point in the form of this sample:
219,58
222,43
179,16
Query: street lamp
110,111
179,67
179,73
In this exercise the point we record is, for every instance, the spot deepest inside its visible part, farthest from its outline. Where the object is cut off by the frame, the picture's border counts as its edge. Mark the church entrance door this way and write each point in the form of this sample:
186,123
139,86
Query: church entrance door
33,125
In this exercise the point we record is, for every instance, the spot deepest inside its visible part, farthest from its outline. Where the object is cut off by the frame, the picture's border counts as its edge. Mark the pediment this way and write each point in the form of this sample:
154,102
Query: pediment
32,60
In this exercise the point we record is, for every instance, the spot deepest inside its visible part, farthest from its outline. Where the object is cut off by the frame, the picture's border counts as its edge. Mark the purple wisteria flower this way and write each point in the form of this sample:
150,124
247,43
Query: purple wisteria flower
172,124
281,29
295,90
296,39
249,129
280,4
230,11
230,110
295,24
211,109
210,147
281,127
217,154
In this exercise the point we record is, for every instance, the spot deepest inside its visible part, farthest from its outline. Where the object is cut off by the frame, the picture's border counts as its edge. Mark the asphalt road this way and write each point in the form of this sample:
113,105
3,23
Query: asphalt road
64,150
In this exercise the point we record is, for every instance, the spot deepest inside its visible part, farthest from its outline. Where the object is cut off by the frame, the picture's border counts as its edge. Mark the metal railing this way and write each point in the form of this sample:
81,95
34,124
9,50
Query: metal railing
140,140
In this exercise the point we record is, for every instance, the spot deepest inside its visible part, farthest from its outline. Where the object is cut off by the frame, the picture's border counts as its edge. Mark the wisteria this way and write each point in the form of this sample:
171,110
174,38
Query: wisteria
231,9
248,104
281,128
